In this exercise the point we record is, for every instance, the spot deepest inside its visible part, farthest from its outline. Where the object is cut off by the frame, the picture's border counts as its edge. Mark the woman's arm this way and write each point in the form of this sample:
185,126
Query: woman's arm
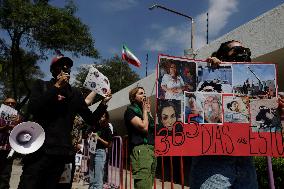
164,82
90,98
165,88
104,142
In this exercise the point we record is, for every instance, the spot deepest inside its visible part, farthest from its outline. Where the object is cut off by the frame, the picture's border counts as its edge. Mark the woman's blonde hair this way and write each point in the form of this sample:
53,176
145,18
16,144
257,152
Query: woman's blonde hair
132,94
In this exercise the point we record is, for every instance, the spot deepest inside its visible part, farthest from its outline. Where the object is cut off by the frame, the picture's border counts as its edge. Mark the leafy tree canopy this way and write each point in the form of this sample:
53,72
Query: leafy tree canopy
29,70
47,27
35,26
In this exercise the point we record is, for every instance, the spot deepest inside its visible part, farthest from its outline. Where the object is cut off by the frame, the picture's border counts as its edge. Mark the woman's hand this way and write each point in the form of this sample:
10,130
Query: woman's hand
177,90
107,97
95,135
146,105
213,61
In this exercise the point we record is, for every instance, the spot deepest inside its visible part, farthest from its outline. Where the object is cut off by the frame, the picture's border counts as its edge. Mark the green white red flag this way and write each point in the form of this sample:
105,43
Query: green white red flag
129,57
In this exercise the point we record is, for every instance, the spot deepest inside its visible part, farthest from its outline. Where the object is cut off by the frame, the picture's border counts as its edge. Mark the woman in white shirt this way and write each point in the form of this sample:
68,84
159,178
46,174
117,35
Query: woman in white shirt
173,84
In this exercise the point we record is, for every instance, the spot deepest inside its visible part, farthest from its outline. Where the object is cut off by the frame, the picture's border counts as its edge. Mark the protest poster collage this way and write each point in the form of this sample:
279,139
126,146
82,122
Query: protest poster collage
229,110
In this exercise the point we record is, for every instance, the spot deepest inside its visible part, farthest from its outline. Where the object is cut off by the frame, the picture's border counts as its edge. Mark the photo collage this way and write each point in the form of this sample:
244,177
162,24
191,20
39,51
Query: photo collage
192,91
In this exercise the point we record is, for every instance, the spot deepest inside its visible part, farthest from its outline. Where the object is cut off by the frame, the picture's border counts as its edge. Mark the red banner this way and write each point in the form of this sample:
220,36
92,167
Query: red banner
231,110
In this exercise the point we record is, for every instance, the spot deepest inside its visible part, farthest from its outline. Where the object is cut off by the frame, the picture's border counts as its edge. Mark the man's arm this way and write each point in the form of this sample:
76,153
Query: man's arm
87,115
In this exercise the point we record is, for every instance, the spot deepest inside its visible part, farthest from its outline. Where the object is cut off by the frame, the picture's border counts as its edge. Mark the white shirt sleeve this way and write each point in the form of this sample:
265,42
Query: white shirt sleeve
165,80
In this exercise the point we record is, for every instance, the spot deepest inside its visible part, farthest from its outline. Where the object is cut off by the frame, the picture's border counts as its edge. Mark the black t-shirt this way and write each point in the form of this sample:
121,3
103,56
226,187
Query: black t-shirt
104,133
137,137
55,109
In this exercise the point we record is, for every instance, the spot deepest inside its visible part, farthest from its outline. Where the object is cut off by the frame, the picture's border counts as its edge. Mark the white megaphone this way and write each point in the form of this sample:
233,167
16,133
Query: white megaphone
26,137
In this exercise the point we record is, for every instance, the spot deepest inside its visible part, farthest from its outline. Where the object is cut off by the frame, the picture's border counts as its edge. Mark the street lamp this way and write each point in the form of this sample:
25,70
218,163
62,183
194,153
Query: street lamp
187,51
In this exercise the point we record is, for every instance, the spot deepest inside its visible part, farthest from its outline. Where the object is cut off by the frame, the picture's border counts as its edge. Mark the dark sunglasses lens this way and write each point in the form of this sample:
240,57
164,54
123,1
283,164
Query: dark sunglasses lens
238,49
241,50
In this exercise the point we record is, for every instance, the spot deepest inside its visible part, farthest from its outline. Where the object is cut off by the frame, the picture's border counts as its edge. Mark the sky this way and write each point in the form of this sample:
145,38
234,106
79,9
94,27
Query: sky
221,74
113,23
241,73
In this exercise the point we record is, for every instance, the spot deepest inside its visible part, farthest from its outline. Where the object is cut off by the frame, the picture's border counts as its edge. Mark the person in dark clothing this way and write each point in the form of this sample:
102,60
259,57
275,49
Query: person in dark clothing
5,129
103,136
77,135
224,171
53,104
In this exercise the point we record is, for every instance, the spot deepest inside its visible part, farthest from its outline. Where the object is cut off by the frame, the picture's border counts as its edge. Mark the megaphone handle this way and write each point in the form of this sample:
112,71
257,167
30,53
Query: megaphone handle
10,153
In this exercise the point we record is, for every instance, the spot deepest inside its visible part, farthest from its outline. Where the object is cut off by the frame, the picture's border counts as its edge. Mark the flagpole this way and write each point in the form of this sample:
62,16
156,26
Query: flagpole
187,52
146,64
270,173
120,74
207,28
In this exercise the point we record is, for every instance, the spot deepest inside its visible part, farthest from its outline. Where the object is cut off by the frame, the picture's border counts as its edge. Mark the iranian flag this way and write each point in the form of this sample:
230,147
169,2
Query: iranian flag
129,57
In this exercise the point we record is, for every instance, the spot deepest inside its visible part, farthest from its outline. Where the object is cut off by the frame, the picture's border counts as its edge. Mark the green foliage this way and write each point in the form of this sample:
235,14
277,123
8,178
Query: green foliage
47,27
262,174
118,72
81,75
29,71
35,26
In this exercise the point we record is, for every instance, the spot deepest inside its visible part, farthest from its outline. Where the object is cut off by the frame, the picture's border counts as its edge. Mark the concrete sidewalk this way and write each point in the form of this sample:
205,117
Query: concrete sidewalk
17,171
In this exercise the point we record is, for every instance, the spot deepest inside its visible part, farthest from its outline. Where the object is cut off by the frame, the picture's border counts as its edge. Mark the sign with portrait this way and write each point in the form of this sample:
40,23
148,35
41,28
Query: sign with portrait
7,115
229,110
97,82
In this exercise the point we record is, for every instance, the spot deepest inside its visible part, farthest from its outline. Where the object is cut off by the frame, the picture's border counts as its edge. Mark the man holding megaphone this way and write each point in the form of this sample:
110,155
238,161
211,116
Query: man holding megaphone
53,105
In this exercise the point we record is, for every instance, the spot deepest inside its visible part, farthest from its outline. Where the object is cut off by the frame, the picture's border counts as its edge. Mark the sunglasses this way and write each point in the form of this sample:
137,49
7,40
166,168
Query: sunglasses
240,50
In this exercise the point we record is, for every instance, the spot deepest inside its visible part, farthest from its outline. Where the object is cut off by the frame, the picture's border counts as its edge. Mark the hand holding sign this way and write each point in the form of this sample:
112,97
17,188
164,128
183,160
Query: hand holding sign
107,98
97,82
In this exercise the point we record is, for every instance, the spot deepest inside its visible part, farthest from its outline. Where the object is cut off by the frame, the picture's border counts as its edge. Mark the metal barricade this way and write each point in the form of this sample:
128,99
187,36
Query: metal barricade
115,165
161,182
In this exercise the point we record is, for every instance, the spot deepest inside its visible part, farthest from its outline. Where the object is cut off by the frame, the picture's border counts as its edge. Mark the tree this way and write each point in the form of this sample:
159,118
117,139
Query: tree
38,26
30,71
118,72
